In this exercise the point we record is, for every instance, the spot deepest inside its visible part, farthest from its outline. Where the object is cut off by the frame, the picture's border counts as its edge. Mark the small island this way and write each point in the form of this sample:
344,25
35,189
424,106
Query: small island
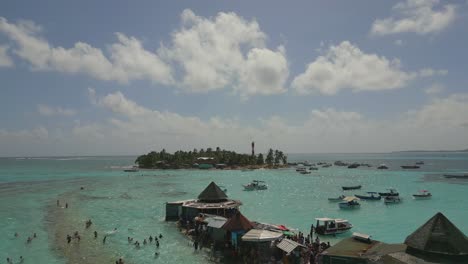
209,159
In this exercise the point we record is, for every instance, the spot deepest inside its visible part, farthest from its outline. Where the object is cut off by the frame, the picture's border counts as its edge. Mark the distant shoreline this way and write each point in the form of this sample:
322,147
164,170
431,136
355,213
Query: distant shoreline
406,151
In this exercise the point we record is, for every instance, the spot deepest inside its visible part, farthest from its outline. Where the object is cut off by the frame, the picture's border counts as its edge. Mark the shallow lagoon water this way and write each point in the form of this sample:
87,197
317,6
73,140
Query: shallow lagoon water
134,202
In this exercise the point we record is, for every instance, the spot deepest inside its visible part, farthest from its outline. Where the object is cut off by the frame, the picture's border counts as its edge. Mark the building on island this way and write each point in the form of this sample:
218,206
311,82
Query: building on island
205,162
211,201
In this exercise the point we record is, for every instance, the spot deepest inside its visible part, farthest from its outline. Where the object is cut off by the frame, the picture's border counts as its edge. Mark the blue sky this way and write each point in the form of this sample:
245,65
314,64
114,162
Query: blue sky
114,77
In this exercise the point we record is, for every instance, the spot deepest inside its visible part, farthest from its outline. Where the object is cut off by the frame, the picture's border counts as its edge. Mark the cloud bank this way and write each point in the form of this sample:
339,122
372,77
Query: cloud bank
132,128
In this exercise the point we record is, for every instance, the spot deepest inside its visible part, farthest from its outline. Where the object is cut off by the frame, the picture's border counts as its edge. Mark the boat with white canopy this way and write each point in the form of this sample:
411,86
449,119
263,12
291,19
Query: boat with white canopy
332,226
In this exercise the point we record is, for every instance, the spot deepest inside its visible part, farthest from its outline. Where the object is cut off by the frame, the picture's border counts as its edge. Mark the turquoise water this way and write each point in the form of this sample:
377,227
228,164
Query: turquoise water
134,202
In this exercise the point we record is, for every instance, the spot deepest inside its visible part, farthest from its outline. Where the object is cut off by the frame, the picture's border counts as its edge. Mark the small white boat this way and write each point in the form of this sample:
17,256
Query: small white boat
350,202
423,194
132,169
337,199
255,185
332,226
392,199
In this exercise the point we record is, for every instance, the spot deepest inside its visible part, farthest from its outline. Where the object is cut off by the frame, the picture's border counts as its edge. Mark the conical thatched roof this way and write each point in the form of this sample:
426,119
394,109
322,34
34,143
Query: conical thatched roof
438,235
212,193
237,222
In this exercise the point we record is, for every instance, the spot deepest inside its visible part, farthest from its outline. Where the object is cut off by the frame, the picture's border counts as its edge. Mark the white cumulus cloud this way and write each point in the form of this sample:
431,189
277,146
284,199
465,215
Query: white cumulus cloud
127,59
345,66
418,16
226,51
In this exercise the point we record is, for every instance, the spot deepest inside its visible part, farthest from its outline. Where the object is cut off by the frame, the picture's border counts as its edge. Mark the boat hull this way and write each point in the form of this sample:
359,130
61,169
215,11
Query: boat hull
364,197
409,167
421,197
333,231
346,188
392,201
348,206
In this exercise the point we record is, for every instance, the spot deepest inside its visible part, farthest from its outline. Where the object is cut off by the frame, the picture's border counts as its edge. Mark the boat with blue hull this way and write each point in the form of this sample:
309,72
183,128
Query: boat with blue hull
370,196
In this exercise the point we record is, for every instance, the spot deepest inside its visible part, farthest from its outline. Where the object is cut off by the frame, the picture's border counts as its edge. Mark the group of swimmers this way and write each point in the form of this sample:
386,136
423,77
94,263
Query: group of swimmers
30,238
10,260
156,242
21,259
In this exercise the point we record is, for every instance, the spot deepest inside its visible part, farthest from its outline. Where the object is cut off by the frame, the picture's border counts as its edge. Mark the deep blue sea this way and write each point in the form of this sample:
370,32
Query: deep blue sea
134,202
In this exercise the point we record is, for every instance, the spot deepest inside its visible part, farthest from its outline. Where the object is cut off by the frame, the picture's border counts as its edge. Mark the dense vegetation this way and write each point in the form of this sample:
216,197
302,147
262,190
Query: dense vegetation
186,159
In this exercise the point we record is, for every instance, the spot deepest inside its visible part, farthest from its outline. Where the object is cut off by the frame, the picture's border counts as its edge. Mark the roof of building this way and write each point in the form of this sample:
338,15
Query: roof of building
350,247
212,193
438,235
215,221
260,235
288,245
238,222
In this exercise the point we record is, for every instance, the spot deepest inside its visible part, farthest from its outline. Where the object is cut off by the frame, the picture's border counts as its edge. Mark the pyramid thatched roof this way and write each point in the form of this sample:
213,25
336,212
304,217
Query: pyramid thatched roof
212,193
237,222
438,235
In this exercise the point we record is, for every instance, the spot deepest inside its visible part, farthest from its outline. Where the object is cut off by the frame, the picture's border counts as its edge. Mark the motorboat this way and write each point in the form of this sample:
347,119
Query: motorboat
390,192
419,162
370,196
305,172
255,185
382,167
340,163
392,199
313,168
337,199
132,169
422,194
350,202
300,169
345,188
410,167
326,166
353,166
332,226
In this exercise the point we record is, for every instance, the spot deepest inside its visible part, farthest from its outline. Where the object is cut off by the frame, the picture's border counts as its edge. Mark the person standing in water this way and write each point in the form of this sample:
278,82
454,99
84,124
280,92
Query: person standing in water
95,234
66,205
104,240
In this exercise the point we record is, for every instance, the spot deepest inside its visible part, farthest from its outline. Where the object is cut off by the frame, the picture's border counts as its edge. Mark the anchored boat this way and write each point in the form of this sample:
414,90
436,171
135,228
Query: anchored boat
255,185
422,194
332,226
337,199
350,202
392,199
371,196
345,188
391,192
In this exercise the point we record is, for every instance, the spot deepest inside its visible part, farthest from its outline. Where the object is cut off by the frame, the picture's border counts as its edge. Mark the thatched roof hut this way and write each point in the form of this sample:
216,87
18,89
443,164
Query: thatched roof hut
438,236
238,222
212,200
212,194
